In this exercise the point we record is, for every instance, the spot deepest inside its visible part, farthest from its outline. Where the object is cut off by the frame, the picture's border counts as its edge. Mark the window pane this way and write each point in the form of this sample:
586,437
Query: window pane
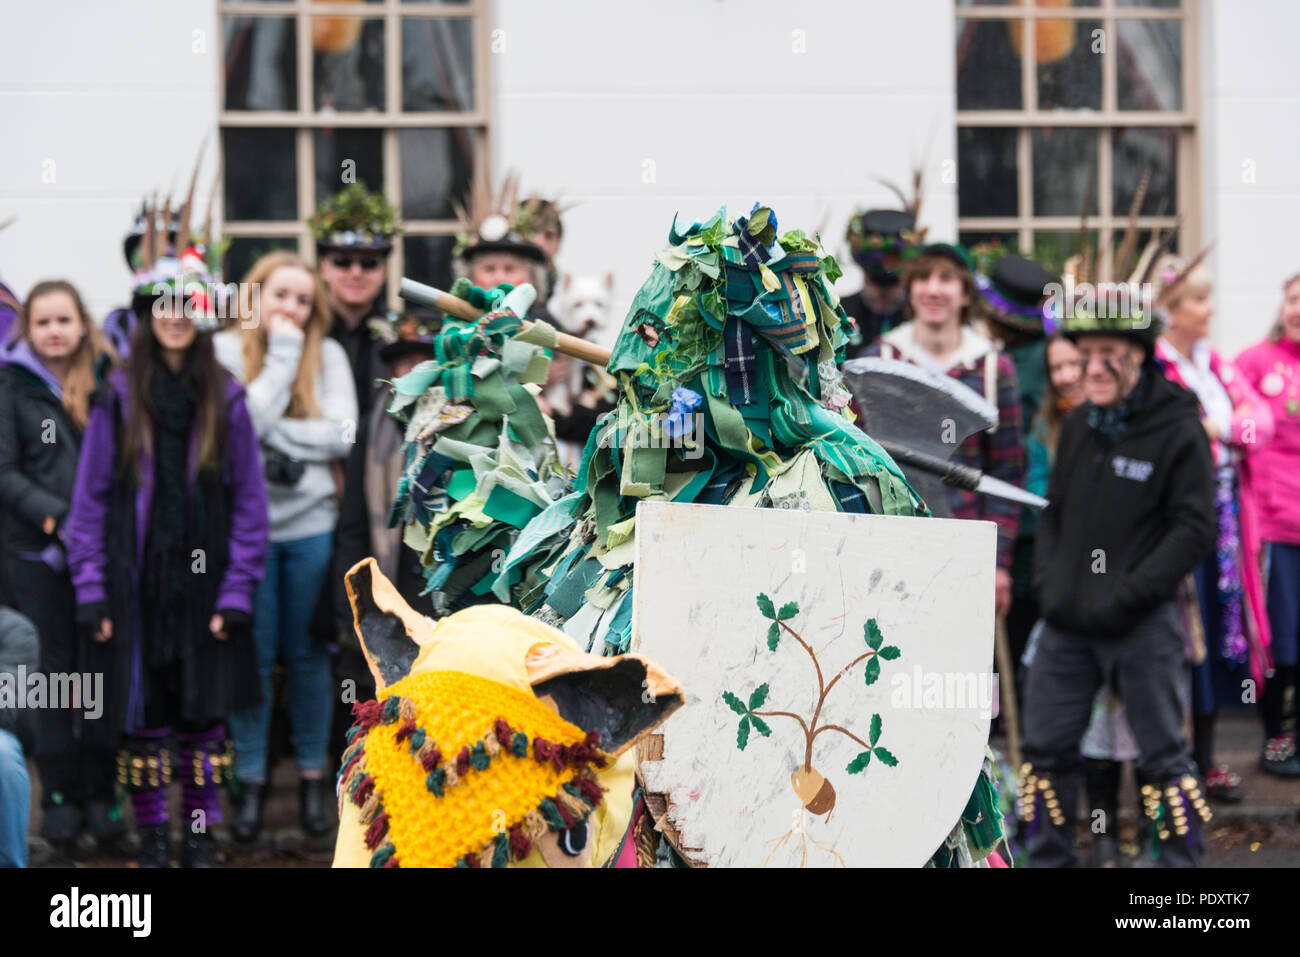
428,259
347,63
1053,247
261,174
246,250
345,155
259,63
986,172
988,70
437,64
437,165
1150,75
1065,159
1069,71
1136,150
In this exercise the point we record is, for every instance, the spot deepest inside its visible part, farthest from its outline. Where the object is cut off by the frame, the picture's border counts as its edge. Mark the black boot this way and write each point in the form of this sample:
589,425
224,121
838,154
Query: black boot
1046,803
311,807
247,823
1101,784
1179,812
155,846
198,850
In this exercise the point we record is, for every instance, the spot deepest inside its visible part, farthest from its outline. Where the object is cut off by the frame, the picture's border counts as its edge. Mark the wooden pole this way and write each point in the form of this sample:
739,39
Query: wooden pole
1007,689
453,306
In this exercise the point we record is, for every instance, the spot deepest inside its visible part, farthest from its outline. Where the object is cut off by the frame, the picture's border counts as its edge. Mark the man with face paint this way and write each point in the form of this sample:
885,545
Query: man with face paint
879,240
1131,514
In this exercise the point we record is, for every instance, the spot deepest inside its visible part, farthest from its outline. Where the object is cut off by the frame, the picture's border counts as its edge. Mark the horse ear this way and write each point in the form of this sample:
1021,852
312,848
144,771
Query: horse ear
568,281
609,281
391,631
622,699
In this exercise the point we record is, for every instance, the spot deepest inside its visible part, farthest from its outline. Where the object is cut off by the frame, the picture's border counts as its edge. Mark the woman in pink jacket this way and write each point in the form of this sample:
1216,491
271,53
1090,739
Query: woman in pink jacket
1229,589
1273,369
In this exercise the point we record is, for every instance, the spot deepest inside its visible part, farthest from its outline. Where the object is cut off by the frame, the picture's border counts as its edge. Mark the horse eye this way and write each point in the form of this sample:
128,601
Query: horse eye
574,841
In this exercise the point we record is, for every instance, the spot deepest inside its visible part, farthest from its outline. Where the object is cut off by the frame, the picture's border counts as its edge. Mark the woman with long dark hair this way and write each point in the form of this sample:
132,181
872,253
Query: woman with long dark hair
167,541
45,387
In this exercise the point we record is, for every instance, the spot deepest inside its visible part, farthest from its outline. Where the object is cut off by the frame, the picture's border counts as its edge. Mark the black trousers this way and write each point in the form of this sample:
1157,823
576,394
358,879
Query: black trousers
68,768
1148,671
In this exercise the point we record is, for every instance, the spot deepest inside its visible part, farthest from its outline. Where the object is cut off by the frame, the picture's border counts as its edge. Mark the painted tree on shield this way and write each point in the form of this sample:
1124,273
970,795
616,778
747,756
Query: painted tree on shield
814,791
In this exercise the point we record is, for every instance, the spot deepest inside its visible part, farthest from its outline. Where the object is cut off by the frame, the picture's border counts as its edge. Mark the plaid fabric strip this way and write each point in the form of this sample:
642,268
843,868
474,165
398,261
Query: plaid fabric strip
1000,454
790,332
740,362
427,481
850,498
752,251
799,262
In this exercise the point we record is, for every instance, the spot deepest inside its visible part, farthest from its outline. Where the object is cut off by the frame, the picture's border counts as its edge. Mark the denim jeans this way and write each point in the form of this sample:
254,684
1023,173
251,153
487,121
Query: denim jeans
282,611
15,795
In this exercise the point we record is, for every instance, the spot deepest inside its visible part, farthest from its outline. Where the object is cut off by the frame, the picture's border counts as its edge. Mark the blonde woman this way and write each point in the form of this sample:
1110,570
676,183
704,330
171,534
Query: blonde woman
303,404
45,389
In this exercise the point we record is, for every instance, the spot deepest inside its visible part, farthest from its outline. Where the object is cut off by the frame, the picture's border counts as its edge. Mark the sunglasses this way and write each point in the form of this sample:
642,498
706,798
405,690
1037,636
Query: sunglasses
367,263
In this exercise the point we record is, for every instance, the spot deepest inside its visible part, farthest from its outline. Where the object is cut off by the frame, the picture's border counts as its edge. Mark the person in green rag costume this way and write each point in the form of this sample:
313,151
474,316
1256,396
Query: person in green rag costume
728,394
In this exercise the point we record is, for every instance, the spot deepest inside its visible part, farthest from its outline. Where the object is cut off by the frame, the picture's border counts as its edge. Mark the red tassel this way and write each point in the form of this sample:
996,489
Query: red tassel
405,731
431,760
503,732
364,790
520,844
592,792
471,860
462,762
377,829
366,712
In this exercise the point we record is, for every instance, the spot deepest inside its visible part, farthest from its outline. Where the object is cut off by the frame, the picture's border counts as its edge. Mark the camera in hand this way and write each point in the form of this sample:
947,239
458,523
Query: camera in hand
281,469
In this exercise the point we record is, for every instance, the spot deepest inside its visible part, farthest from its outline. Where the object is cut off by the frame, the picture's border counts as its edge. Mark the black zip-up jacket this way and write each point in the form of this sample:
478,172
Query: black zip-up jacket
1127,521
39,447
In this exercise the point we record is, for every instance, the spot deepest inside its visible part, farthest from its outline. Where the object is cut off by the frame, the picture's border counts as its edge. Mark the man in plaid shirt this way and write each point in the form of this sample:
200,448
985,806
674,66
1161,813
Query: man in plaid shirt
937,335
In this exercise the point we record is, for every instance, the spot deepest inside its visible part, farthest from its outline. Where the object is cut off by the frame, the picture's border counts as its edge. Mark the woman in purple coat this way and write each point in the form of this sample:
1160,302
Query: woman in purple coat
167,540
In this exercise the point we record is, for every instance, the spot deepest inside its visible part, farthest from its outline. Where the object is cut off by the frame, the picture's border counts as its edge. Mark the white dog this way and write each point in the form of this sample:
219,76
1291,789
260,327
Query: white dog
583,307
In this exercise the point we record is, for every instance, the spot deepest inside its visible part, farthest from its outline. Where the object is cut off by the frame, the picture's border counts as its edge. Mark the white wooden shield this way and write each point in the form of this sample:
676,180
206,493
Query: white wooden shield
761,614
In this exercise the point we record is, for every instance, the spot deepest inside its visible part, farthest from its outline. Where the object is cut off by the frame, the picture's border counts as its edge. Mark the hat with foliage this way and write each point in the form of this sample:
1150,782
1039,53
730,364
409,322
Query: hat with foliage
354,218
498,222
881,239
405,334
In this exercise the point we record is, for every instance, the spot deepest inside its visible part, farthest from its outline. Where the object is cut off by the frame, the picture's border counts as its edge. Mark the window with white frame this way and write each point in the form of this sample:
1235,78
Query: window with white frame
1062,107
316,93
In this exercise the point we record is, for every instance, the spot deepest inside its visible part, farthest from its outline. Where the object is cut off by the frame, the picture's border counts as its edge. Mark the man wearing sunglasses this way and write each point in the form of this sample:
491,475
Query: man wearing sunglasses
354,231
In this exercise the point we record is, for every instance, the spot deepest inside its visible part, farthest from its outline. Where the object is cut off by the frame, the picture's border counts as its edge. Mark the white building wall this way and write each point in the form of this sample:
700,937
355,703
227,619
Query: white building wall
633,113
637,111
100,103
1251,155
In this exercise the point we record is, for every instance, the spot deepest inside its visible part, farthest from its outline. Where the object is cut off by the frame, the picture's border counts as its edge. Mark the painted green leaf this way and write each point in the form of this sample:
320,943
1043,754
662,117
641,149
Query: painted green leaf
885,756
765,606
874,637
788,611
773,636
734,703
831,268
873,669
890,652
875,728
758,222
742,735
760,726
759,696
859,763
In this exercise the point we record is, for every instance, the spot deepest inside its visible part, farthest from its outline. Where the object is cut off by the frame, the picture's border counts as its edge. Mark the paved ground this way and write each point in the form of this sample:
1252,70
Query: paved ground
1262,831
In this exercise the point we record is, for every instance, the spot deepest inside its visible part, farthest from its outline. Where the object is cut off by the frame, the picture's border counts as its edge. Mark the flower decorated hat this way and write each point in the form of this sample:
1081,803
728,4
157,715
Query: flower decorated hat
493,741
354,218
498,222
174,265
